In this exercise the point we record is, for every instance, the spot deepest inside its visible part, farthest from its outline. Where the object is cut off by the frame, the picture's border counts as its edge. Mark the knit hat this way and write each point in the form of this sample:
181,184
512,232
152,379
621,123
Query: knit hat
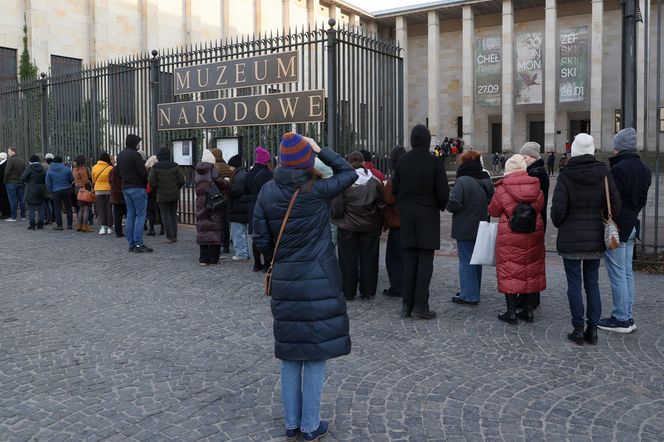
235,161
531,149
49,156
516,163
207,157
583,144
295,152
420,137
262,155
625,140
34,159
149,164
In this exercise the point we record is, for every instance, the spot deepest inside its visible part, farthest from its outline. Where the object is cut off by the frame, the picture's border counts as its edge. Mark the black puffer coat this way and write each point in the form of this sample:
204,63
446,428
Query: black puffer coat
239,209
633,179
253,183
34,176
309,309
579,204
537,170
208,225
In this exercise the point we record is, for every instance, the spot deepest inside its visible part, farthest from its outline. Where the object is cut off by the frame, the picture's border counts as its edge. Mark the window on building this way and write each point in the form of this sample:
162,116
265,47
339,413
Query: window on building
616,120
8,65
122,94
65,65
661,119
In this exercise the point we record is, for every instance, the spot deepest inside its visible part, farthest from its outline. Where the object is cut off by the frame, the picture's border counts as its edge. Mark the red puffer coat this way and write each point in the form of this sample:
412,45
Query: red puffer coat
519,256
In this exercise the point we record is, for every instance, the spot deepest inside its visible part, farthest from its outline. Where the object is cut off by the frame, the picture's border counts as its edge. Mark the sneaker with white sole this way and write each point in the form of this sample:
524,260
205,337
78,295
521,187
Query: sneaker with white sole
615,325
102,230
240,258
11,220
632,325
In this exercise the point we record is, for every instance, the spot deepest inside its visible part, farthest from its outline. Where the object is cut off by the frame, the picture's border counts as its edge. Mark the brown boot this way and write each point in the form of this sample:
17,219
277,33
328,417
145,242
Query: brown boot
88,228
78,227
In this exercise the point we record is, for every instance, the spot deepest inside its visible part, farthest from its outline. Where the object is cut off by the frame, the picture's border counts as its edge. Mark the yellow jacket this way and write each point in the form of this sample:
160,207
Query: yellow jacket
100,172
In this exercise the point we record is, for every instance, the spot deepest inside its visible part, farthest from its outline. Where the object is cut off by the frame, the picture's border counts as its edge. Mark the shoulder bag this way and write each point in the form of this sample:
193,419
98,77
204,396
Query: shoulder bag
611,234
268,274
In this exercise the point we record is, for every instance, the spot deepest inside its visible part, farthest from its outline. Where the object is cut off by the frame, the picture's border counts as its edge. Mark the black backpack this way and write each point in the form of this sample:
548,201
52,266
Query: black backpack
215,200
524,219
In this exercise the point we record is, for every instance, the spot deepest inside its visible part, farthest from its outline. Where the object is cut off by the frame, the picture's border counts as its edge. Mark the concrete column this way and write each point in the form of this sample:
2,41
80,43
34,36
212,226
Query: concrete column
468,69
550,74
596,72
433,58
507,98
372,27
313,12
402,41
285,14
335,12
354,20
224,19
150,20
640,75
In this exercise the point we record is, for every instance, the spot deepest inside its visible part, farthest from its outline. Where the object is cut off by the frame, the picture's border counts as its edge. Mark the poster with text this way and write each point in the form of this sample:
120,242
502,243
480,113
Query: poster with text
529,72
488,76
574,64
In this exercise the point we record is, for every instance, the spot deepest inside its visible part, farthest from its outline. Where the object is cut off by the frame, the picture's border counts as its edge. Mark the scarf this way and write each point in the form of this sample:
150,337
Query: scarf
472,168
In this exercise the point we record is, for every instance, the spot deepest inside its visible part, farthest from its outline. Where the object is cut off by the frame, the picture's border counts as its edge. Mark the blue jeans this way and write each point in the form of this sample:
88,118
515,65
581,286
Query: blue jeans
15,195
136,199
394,260
470,276
619,267
301,390
39,208
589,275
239,237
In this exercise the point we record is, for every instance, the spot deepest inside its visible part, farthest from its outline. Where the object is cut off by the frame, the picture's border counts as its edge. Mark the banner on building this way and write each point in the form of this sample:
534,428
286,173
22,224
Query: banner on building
529,72
488,75
574,64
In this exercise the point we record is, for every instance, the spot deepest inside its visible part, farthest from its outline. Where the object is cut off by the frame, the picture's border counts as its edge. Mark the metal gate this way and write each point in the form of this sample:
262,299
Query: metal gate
92,111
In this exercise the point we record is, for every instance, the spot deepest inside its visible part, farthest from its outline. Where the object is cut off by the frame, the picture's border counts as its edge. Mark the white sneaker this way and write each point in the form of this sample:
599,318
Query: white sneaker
102,230
240,258
11,220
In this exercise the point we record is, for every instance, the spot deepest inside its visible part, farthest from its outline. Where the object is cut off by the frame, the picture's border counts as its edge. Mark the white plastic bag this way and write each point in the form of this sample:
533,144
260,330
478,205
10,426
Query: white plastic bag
484,253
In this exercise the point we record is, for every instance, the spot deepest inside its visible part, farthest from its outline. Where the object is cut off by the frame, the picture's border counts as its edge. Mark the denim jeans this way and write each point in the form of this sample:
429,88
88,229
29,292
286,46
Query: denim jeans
136,199
619,267
470,276
15,195
301,390
36,208
394,260
239,236
589,276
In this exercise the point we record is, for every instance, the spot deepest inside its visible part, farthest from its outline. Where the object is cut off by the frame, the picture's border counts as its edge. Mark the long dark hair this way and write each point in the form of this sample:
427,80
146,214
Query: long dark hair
106,158
79,161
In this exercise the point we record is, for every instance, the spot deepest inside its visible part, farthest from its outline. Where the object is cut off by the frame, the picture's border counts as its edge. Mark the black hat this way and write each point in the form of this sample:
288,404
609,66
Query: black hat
235,161
132,141
164,154
34,159
365,154
420,137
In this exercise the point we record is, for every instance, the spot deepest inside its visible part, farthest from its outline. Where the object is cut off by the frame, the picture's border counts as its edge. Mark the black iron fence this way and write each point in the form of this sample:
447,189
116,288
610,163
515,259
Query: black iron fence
92,111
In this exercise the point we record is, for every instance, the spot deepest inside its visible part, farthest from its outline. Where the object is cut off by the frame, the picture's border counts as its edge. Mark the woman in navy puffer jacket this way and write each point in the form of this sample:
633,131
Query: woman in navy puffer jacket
309,309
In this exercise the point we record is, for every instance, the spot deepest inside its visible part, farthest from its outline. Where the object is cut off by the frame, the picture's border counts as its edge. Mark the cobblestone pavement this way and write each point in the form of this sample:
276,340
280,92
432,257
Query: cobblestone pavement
99,344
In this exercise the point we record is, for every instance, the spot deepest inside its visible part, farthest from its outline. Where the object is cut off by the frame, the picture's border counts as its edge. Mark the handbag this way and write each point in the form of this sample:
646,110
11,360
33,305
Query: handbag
86,196
268,274
484,252
611,234
215,199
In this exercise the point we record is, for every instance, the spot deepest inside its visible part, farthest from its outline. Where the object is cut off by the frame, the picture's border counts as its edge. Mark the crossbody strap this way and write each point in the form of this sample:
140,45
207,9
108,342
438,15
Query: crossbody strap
283,225
608,198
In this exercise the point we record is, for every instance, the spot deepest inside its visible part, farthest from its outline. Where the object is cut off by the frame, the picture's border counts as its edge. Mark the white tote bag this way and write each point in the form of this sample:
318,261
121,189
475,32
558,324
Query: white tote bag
484,252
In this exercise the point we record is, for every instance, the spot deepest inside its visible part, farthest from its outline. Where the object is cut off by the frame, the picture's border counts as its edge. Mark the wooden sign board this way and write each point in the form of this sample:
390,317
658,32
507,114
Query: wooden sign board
242,72
283,108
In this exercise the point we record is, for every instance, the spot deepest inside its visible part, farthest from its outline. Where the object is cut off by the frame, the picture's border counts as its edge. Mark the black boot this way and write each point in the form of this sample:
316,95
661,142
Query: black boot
526,312
577,335
31,226
510,315
161,230
590,335
40,225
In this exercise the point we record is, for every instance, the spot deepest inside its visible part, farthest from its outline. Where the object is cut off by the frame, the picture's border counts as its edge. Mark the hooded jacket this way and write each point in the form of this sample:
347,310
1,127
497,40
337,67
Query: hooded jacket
166,178
309,309
34,178
208,225
420,184
520,257
359,208
131,166
579,205
58,178
633,179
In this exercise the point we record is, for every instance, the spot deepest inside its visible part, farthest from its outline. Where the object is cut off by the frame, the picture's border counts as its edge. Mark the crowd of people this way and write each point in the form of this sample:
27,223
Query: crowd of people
313,224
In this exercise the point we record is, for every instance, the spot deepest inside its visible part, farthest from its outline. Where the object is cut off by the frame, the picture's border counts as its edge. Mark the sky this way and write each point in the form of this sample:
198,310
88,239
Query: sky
379,5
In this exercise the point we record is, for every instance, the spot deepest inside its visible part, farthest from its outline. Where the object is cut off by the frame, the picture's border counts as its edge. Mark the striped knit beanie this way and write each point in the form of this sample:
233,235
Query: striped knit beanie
295,152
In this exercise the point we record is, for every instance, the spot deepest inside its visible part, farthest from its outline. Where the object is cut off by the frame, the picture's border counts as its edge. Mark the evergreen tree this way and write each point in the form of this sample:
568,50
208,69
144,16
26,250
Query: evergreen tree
26,70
